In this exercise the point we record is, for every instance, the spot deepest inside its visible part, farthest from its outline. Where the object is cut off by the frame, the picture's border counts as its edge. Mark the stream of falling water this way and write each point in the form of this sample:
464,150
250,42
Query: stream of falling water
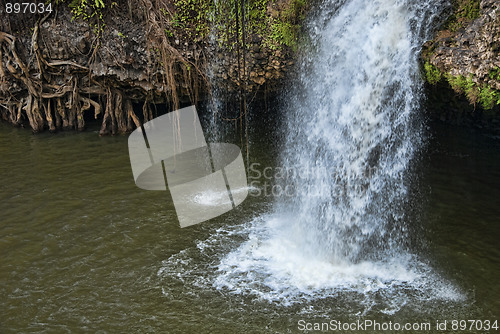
353,125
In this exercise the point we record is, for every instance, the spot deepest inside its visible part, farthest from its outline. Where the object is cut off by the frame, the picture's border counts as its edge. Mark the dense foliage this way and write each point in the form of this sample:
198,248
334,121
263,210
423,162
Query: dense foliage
277,21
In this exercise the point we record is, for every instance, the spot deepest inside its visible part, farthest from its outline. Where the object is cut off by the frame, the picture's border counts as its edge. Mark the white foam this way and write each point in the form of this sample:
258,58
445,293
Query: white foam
274,267
215,198
343,232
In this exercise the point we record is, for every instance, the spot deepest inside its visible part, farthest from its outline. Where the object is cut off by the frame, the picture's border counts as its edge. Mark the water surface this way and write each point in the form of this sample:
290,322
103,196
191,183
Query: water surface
83,249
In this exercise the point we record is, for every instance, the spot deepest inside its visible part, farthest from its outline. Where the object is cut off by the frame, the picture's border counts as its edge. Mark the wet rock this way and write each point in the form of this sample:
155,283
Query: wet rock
472,50
85,71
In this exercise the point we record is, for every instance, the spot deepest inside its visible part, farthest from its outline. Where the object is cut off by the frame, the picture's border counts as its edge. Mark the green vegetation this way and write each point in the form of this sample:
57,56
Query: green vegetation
488,97
485,95
459,83
190,16
79,8
495,73
477,90
278,23
432,74
465,86
90,10
285,29
464,11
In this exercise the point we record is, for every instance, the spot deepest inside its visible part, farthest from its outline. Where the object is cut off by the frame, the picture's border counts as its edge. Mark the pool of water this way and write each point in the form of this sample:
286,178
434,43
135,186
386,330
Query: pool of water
84,250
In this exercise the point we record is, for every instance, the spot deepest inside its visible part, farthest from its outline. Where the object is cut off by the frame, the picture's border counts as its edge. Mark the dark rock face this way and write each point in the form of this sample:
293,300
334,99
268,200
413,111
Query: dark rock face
462,65
473,50
56,71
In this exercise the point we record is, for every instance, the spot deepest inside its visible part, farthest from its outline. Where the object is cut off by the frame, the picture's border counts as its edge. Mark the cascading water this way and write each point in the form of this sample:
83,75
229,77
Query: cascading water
352,133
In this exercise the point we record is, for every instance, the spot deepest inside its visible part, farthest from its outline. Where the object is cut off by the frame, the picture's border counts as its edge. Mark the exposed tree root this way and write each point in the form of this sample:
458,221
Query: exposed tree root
47,93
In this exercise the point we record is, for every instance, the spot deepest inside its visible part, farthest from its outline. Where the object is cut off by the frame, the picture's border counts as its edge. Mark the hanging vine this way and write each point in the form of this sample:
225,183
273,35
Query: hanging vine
66,71
57,93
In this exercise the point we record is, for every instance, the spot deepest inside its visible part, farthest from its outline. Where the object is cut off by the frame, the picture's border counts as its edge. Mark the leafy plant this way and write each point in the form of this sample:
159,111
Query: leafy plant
284,33
88,9
488,97
277,22
80,8
192,16
464,11
485,95
494,73
432,73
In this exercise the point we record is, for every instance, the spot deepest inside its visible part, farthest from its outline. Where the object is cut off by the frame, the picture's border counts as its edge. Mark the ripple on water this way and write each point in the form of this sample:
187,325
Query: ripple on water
270,267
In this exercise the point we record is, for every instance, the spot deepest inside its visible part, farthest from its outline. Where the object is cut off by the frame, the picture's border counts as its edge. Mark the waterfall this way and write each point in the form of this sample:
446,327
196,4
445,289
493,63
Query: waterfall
353,132
354,126
339,229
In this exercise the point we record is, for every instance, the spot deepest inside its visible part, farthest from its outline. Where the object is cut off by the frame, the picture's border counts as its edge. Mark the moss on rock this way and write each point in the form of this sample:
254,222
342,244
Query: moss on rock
465,53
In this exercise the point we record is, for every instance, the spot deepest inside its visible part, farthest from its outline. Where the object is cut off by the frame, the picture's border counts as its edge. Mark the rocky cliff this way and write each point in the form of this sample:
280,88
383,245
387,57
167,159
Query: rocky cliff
107,60
118,61
465,56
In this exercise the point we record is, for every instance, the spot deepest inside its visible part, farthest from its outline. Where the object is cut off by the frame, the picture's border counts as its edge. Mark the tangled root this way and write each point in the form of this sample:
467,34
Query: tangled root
52,94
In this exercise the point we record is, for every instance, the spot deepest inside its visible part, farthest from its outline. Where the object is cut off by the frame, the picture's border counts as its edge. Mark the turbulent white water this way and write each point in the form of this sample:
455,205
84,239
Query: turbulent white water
352,124
355,120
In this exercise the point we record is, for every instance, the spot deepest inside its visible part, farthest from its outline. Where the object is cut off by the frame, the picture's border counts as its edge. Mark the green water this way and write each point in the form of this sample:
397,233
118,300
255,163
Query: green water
81,246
